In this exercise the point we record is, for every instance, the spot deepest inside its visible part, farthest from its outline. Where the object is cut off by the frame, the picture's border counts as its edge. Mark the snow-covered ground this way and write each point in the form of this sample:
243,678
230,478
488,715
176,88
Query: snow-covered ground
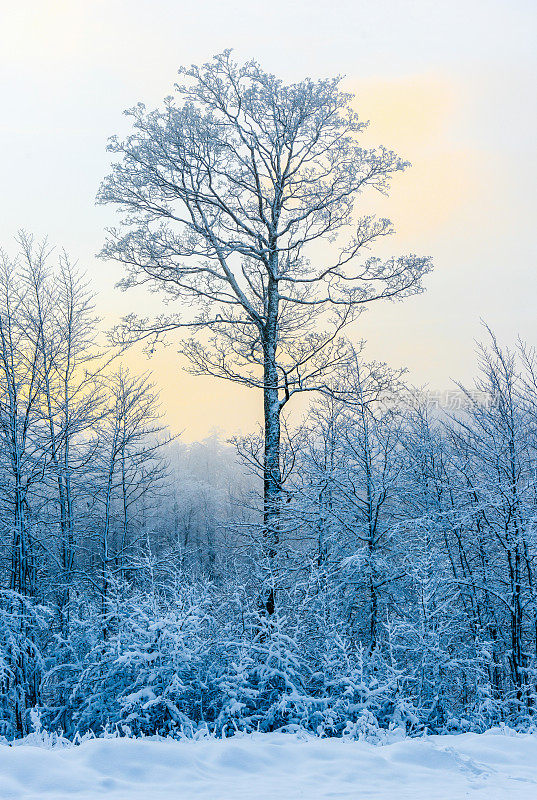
279,766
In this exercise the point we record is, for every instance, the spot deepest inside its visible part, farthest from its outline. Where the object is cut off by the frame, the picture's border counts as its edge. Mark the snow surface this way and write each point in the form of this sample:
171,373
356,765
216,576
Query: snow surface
279,766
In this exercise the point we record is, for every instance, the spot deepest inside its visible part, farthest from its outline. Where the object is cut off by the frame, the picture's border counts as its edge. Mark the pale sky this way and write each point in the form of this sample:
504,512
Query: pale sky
450,85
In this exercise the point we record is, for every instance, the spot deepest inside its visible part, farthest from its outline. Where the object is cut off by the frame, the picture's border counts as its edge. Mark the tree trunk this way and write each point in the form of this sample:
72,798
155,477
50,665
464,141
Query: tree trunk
271,463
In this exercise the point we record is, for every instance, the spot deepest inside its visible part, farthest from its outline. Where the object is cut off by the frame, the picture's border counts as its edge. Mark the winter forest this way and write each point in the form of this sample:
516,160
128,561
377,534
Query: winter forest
363,562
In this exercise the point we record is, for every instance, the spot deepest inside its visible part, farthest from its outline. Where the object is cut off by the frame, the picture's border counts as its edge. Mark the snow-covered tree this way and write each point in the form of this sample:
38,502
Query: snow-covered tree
229,193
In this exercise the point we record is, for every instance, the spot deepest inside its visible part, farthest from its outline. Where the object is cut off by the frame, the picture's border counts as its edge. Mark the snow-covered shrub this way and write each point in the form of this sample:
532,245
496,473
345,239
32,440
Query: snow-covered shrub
262,686
24,627
148,674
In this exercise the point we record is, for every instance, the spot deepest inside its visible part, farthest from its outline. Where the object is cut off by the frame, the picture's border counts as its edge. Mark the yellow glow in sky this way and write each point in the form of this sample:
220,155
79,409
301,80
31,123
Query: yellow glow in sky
450,86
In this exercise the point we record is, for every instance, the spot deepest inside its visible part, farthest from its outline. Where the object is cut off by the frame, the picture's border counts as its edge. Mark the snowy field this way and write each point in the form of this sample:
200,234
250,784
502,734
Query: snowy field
279,766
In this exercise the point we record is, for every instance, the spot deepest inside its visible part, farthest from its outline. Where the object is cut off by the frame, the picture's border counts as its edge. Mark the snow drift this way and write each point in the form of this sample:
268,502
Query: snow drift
279,766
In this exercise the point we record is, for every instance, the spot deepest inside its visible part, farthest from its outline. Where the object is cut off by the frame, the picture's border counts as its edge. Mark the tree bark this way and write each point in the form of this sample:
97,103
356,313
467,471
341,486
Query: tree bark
271,405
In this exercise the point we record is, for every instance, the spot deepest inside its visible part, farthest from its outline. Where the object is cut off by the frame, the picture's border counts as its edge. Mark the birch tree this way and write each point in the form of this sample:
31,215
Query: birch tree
239,200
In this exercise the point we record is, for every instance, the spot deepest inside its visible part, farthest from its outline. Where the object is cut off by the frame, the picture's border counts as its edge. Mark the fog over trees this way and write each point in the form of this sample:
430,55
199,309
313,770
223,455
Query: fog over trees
368,566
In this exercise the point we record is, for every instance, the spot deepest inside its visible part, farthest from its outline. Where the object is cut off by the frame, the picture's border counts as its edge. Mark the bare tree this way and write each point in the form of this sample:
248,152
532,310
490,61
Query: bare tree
350,485
495,445
231,193
127,468
59,322
22,447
